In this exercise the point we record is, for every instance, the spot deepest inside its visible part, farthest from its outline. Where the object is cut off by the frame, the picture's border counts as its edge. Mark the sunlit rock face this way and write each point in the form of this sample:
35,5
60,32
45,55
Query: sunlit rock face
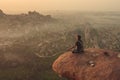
93,64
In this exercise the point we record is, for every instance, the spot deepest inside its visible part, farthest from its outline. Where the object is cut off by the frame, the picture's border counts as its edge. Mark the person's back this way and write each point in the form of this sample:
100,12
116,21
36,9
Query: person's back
79,45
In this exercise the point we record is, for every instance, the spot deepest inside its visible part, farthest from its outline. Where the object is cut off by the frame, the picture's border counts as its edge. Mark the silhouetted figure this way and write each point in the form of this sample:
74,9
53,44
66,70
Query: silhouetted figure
78,47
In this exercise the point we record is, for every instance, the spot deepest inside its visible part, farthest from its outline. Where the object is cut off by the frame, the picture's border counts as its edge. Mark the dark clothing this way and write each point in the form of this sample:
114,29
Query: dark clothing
79,45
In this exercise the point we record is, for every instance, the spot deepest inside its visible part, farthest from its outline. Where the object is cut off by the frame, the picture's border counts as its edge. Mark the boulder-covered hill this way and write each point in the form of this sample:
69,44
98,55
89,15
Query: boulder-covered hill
94,64
32,17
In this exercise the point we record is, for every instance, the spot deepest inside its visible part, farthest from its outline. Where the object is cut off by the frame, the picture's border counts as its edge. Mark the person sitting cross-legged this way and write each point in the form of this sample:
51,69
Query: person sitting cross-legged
78,47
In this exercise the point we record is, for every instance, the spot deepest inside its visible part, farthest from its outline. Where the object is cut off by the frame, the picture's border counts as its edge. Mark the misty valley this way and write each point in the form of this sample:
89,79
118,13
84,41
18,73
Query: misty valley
30,42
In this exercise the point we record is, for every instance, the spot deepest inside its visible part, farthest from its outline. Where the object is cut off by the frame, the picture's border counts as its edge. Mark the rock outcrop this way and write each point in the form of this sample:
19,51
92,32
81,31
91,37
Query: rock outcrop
94,64
2,13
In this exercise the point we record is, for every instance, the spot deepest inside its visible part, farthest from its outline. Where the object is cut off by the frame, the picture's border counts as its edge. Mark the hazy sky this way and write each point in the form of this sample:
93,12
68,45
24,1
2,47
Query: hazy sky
18,6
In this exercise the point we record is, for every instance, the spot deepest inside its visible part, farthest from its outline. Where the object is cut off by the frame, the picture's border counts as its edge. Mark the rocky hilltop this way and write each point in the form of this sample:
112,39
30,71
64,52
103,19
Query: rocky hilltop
32,17
94,64
2,13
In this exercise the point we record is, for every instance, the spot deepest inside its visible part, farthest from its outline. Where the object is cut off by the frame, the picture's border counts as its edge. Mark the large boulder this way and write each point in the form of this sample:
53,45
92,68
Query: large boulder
93,64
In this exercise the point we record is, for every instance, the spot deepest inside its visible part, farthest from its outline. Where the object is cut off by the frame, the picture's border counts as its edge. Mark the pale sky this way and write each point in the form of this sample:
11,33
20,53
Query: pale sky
18,6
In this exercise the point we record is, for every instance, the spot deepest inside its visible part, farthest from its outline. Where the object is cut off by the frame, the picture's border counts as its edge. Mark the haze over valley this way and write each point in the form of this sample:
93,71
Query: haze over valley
30,42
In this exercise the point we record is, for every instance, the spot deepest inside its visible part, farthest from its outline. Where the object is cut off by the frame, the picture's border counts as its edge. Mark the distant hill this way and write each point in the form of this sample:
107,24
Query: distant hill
32,17
2,13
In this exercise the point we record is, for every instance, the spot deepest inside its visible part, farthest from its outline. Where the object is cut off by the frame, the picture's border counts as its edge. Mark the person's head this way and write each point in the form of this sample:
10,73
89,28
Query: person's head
78,37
